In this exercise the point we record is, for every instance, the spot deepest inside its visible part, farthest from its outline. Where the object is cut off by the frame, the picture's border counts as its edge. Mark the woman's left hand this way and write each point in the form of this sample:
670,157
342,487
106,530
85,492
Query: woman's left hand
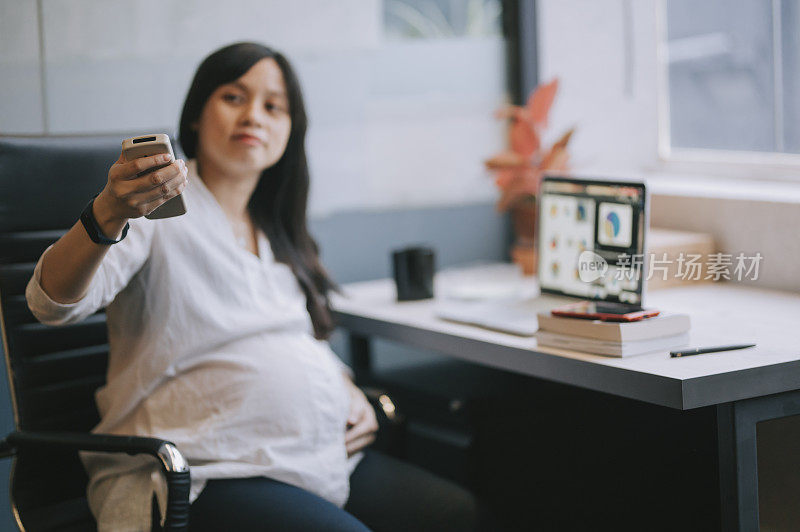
362,425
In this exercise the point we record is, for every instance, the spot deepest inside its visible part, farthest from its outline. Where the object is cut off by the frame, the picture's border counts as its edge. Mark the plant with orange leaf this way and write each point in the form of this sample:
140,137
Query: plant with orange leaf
519,169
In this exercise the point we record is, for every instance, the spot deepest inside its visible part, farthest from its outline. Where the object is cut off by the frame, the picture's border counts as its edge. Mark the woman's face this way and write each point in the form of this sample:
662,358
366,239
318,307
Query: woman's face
245,125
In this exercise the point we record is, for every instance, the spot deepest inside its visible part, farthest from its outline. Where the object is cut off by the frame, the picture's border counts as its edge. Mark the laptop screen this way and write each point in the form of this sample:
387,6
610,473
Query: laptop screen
591,239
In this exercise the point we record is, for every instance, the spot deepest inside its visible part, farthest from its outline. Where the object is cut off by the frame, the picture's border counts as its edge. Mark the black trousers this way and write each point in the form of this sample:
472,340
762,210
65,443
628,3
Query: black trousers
385,495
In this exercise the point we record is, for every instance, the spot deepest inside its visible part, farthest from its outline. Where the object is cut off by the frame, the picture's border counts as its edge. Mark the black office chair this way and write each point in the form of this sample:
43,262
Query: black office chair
54,371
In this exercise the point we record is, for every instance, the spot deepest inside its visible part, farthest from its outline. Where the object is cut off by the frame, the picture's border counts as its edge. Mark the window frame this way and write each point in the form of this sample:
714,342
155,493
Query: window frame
522,48
755,165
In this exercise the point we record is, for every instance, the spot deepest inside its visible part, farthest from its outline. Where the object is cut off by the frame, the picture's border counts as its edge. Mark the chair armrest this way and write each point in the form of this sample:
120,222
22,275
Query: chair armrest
173,464
383,404
391,437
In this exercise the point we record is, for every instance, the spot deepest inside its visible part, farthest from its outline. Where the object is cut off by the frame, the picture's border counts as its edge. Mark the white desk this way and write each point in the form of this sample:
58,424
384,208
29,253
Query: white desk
744,386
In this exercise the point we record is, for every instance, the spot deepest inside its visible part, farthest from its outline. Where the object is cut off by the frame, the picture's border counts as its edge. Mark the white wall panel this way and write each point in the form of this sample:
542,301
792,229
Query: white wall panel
418,161
20,83
392,123
414,120
609,95
123,28
117,65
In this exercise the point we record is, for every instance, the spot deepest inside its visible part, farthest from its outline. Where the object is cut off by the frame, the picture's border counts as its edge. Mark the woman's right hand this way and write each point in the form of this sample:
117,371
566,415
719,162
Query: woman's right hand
130,195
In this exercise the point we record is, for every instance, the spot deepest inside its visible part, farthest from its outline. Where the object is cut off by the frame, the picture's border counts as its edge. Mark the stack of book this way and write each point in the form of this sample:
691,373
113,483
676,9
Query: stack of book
616,339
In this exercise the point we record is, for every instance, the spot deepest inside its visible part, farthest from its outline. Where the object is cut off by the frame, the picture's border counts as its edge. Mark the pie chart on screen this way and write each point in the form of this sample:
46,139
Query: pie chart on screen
611,225
615,224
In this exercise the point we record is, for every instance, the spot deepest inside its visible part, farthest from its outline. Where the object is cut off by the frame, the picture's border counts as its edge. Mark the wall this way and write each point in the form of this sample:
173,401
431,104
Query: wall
738,225
607,71
393,122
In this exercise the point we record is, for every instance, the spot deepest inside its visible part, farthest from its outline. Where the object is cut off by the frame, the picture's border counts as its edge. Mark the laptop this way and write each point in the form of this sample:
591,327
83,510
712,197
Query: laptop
590,244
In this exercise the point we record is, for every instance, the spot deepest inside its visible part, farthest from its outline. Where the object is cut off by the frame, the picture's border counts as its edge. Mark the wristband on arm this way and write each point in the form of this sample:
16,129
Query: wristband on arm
93,228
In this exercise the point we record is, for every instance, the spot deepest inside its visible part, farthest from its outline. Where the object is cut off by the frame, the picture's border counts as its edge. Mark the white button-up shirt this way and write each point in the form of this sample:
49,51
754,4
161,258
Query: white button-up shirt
212,348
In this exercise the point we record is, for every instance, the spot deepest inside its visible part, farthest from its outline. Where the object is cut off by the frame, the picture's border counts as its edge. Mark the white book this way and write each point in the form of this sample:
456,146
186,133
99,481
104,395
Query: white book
609,348
613,331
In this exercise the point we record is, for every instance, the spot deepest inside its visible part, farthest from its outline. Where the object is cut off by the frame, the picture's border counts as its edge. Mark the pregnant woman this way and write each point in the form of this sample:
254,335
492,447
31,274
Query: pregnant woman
217,322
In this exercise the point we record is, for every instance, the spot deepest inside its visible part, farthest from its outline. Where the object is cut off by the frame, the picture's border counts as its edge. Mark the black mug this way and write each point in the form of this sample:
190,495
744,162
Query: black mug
413,273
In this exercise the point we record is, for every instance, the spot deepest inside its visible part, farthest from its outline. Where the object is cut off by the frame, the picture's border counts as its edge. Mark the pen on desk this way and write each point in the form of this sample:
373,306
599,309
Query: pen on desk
701,350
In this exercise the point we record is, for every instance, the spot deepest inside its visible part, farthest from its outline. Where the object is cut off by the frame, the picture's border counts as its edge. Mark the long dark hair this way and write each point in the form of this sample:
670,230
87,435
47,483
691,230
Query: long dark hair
279,202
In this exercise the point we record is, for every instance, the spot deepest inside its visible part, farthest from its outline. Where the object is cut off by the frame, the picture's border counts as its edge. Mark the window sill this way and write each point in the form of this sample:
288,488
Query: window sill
700,186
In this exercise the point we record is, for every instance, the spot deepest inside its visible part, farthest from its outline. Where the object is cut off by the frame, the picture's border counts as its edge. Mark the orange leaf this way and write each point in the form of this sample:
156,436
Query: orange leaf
540,101
523,138
564,140
557,152
508,159
558,162
529,182
505,178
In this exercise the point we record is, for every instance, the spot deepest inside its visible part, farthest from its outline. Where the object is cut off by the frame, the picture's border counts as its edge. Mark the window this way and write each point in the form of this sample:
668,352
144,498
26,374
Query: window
441,18
733,71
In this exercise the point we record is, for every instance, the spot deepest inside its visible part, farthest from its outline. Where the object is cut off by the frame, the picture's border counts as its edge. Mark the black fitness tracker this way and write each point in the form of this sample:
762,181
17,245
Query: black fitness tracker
91,226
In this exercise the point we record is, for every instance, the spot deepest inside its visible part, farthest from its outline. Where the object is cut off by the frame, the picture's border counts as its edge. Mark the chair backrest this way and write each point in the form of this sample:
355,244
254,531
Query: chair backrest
53,371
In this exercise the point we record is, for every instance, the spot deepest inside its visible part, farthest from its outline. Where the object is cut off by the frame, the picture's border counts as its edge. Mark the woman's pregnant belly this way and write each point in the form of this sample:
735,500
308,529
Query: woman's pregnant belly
252,401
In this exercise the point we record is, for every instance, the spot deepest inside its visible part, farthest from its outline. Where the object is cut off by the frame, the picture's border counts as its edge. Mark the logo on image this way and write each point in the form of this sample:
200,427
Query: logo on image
591,266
